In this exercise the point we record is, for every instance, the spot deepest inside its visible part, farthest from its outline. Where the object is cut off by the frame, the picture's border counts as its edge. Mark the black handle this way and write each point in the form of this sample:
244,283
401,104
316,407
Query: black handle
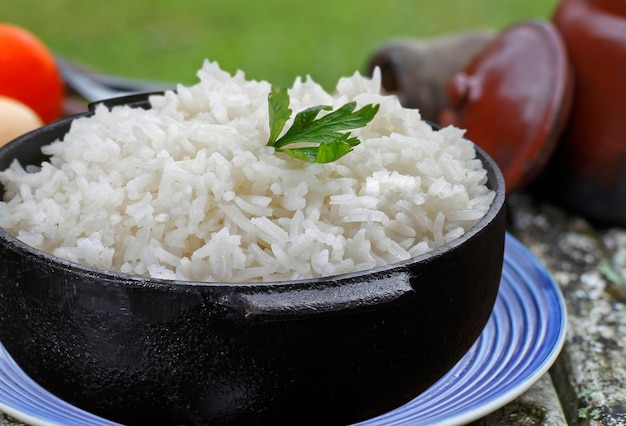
325,298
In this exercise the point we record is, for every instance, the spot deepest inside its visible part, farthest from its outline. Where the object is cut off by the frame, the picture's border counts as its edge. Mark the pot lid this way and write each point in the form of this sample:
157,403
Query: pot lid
514,98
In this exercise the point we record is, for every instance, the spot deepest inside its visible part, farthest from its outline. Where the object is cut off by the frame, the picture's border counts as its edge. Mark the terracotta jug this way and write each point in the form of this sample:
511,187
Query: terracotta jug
588,171
514,98
417,70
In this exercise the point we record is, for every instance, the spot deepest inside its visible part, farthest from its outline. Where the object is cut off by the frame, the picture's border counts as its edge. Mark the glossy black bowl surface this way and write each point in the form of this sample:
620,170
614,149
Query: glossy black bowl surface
326,351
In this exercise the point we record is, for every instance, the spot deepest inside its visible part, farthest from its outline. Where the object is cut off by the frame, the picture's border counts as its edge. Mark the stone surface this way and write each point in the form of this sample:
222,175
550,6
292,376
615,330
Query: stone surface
589,264
539,405
6,420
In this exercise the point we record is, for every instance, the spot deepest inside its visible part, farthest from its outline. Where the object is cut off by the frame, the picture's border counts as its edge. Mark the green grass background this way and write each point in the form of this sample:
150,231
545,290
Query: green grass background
274,40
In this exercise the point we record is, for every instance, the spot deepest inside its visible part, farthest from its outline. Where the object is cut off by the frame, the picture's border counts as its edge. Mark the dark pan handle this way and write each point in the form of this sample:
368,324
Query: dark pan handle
327,298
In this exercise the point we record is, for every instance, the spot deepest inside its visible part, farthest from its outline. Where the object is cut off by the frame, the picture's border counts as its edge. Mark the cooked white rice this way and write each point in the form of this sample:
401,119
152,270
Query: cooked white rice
189,190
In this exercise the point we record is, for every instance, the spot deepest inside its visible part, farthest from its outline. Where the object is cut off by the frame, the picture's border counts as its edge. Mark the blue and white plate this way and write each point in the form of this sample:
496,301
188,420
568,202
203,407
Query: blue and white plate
524,336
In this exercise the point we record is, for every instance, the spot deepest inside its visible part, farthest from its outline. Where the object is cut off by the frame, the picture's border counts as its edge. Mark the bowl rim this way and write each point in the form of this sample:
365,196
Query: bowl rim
495,181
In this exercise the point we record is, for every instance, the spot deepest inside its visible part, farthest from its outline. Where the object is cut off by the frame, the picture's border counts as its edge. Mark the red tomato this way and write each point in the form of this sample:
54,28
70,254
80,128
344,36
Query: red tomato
28,72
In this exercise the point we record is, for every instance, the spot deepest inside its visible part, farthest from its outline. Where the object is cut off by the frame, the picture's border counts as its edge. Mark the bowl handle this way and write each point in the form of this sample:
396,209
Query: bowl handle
327,298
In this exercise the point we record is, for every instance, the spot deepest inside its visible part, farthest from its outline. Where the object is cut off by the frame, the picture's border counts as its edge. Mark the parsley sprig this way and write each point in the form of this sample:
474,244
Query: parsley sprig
311,139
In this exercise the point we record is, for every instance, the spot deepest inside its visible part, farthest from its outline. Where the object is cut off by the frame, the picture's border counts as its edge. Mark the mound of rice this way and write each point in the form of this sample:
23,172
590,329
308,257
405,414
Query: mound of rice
189,190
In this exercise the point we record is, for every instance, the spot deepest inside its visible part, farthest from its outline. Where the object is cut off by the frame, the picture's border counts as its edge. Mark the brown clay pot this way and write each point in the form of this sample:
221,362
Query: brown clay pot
514,98
417,70
588,171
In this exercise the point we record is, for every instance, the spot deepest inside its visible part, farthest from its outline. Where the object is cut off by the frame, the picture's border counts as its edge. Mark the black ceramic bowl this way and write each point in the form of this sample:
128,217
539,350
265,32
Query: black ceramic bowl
323,351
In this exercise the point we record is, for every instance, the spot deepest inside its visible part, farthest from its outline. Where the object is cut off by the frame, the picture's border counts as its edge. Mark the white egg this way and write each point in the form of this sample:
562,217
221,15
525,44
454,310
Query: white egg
16,119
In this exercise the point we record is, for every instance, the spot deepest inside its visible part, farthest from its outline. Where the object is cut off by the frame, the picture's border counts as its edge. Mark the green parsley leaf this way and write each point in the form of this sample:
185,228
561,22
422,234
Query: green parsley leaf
278,101
314,140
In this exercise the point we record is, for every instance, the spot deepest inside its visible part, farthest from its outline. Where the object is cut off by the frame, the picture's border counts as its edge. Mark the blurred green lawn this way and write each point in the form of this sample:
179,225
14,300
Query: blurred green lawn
274,40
